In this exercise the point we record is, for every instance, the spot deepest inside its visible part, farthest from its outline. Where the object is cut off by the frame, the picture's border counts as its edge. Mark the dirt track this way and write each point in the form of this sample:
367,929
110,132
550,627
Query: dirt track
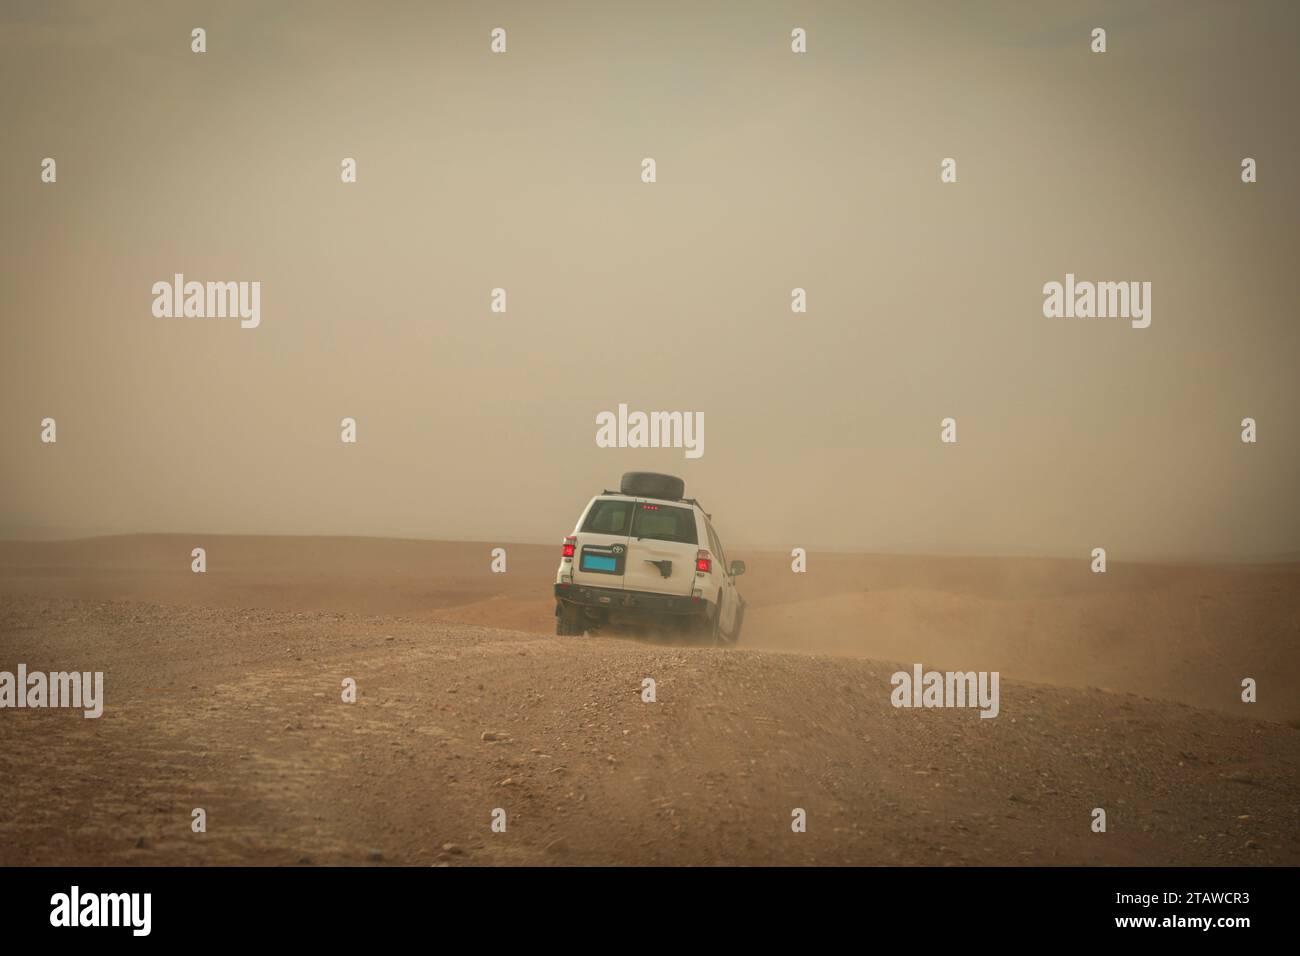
239,712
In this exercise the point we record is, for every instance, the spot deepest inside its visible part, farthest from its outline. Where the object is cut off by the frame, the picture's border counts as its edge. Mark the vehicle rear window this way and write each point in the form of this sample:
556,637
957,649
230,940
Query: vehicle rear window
664,523
609,517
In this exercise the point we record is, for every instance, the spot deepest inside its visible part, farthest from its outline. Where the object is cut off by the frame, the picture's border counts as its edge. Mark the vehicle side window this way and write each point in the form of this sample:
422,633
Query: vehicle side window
609,517
717,549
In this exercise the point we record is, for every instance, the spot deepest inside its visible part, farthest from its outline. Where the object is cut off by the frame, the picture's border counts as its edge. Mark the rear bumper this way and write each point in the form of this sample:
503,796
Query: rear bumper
616,599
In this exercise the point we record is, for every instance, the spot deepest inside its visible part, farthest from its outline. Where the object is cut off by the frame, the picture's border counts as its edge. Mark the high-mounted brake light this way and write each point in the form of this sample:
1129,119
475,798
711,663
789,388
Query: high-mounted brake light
703,562
569,544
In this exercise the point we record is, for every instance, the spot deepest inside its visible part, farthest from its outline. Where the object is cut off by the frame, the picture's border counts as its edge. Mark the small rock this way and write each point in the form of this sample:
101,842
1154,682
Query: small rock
455,849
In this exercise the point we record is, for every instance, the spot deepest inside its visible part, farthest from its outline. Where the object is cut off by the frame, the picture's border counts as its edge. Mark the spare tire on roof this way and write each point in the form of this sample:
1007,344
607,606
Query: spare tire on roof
648,484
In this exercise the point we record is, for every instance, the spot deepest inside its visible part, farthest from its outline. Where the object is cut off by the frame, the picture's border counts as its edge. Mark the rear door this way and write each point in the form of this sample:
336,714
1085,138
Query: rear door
661,548
600,553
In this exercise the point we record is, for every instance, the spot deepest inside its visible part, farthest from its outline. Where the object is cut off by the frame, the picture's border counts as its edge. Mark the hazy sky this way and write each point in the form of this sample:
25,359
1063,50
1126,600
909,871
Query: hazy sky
775,170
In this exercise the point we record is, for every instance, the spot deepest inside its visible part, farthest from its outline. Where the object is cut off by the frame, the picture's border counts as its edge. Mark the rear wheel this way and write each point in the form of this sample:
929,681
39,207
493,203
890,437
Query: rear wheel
733,638
706,629
568,620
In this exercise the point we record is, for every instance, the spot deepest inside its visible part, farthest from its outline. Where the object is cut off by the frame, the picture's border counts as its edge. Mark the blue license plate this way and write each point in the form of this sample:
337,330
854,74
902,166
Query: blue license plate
598,562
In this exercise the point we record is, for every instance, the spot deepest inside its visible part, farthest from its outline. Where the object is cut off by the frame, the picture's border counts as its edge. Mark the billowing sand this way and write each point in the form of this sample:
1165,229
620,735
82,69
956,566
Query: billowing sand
1188,633
223,692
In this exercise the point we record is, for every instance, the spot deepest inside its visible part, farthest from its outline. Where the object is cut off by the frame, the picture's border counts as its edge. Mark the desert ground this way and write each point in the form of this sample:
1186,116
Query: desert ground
223,692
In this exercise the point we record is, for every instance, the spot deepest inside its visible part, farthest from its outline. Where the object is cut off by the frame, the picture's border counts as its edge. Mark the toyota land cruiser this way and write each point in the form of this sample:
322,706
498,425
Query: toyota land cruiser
647,555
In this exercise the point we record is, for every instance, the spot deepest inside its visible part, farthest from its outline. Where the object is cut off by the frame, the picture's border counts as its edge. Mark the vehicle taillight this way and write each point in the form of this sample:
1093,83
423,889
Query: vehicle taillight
569,544
703,562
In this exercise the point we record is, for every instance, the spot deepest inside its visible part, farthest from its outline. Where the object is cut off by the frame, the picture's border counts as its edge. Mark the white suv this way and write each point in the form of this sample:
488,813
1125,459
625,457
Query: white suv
645,554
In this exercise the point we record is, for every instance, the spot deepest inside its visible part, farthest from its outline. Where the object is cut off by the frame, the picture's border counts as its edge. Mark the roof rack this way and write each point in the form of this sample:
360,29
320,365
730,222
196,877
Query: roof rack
700,506
689,501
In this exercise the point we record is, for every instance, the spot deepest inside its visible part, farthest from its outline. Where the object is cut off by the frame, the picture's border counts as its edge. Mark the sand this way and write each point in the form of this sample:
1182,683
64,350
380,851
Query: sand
223,692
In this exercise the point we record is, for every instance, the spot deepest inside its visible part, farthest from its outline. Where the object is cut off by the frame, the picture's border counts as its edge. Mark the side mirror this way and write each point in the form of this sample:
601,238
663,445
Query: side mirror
737,568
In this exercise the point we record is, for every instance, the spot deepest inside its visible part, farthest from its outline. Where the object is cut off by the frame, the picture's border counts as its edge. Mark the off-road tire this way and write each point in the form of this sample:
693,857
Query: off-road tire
732,639
649,484
568,620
